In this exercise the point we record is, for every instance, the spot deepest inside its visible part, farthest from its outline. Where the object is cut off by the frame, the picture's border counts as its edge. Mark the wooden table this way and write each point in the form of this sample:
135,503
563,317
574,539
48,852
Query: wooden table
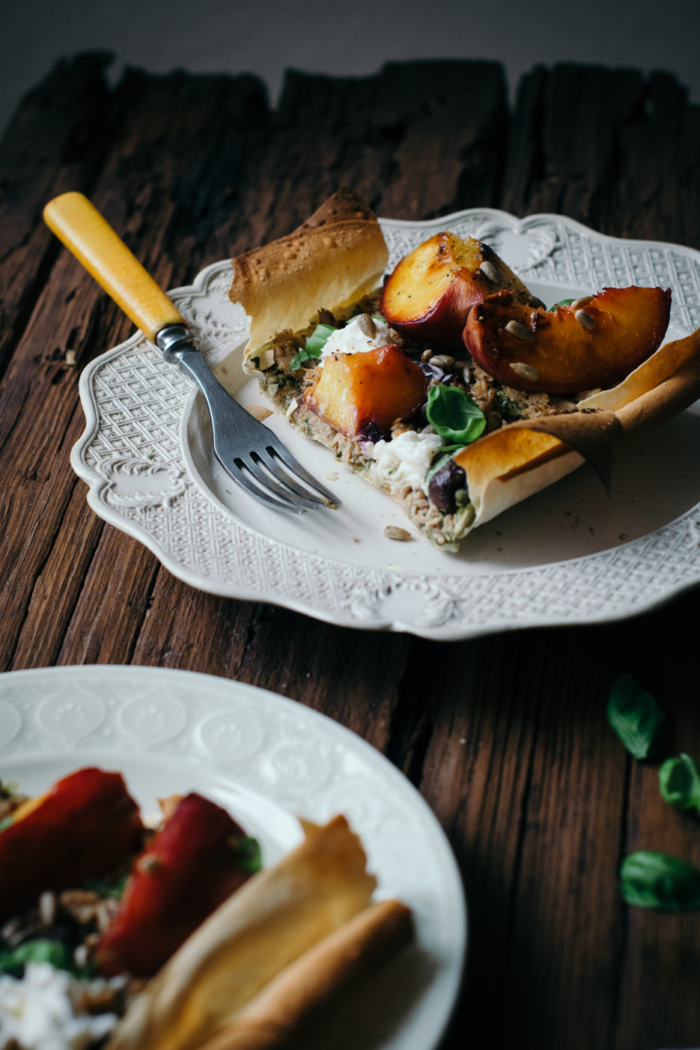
505,736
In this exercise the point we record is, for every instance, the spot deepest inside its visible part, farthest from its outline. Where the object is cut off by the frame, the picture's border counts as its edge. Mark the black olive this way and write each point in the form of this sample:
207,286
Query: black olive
370,431
431,371
444,484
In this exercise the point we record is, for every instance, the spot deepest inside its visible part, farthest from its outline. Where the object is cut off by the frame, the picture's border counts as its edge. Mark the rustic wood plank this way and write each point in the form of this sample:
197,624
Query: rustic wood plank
40,416
659,1004
417,140
564,148
58,585
54,143
567,955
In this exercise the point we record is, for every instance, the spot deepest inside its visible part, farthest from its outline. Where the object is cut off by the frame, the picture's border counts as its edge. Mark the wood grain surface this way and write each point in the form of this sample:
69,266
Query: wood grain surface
505,736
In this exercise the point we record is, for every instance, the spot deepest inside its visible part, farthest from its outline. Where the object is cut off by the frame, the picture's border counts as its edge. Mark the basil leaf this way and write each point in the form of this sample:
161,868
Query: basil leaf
562,302
53,952
298,360
249,854
314,345
454,415
636,717
318,339
660,880
679,783
379,317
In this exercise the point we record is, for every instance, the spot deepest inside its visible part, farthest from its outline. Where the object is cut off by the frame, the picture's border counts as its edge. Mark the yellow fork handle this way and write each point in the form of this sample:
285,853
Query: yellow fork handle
93,242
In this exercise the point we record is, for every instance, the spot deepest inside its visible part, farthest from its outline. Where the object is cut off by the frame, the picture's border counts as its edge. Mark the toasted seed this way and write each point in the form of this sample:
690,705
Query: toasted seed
426,355
392,532
258,412
535,303
80,956
525,371
70,358
367,326
519,330
585,320
490,272
583,301
47,908
443,360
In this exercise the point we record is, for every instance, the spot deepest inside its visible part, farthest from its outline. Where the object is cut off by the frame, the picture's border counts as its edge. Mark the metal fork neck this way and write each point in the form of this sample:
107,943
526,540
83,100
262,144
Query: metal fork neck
175,340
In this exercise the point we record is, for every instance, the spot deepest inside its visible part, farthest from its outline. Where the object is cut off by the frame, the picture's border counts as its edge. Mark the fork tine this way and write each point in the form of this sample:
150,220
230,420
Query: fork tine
262,495
252,464
273,464
296,468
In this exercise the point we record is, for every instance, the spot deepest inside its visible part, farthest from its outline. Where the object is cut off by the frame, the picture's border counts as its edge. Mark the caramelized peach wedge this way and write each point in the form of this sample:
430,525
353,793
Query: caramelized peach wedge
595,341
361,395
431,291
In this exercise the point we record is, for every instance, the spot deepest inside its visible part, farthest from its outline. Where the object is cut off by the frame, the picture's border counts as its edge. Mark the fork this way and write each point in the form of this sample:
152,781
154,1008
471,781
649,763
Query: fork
249,451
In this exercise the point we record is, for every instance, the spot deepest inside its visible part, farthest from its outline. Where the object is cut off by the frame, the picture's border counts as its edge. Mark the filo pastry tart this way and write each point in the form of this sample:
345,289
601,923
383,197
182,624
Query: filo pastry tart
456,429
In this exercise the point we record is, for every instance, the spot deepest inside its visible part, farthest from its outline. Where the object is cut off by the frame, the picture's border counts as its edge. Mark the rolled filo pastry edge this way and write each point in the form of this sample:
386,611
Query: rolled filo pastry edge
318,978
512,463
262,928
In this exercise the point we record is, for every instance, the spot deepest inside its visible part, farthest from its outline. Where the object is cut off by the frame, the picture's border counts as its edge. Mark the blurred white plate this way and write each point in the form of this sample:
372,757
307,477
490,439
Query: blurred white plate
567,555
268,760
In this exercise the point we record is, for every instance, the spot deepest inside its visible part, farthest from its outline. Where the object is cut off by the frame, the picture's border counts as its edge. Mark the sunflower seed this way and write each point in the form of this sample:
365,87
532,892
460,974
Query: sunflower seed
367,326
444,360
426,355
525,371
535,303
490,272
392,532
47,908
583,301
519,330
585,320
258,412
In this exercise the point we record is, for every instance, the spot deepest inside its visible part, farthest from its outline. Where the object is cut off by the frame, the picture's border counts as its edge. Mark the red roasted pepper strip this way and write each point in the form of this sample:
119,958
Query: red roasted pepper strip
187,871
86,825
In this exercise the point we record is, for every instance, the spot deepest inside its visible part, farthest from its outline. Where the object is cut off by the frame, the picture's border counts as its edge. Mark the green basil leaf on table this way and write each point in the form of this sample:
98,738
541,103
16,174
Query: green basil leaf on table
314,345
562,302
454,415
679,782
636,717
660,880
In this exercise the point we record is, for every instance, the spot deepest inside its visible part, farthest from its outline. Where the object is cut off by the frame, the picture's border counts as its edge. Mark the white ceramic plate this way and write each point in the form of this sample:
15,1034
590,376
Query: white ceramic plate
567,555
267,760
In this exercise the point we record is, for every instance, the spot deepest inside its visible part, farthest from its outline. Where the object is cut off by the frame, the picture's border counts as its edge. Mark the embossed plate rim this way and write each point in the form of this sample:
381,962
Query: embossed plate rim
202,697
663,563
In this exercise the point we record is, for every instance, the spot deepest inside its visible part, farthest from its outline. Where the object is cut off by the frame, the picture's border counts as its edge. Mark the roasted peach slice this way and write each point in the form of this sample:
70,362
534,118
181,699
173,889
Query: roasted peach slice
86,825
594,342
363,394
192,865
431,291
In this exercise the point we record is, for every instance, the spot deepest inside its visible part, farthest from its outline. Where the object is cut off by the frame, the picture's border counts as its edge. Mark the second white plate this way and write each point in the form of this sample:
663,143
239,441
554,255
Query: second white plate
268,760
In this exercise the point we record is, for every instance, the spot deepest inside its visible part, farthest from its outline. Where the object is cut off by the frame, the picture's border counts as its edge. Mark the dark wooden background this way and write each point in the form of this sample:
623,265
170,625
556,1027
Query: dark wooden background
505,736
